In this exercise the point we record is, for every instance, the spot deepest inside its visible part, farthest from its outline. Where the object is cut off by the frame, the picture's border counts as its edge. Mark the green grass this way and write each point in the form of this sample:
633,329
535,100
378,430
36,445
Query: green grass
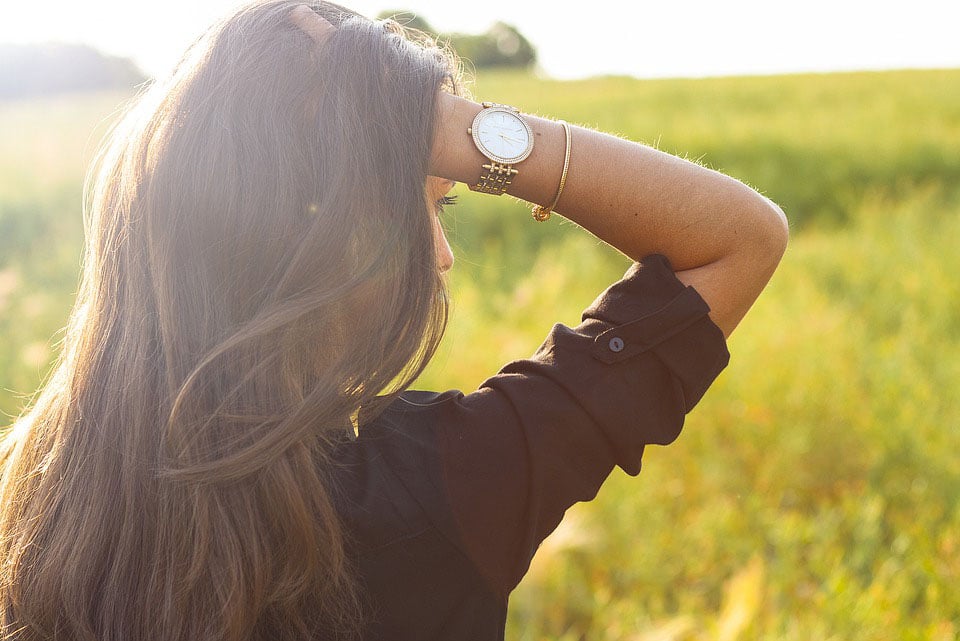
45,147
816,486
815,491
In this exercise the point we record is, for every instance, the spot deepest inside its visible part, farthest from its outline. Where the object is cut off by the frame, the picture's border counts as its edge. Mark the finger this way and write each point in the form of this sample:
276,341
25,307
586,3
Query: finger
311,23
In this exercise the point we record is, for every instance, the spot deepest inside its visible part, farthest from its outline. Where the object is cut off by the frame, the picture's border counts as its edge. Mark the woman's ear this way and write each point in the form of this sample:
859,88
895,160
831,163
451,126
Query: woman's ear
311,23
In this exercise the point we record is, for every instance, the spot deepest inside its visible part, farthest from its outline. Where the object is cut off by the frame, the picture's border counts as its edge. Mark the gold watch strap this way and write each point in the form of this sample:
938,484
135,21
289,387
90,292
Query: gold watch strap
495,179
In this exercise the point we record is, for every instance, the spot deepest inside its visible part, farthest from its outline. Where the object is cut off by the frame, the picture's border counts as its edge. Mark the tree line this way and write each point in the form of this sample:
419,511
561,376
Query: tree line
44,69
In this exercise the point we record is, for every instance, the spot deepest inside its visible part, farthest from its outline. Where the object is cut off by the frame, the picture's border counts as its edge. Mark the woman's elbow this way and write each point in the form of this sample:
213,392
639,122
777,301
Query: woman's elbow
773,230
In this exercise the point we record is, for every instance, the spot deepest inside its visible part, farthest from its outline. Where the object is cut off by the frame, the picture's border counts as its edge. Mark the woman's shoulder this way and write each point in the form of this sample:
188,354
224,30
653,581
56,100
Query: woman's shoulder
387,473
392,501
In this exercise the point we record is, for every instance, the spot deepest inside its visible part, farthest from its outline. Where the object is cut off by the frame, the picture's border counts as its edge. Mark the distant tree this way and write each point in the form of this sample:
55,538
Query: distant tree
501,46
31,70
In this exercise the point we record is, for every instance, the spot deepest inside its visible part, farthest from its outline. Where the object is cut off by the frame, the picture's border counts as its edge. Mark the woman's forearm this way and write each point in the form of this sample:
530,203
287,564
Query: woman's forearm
633,197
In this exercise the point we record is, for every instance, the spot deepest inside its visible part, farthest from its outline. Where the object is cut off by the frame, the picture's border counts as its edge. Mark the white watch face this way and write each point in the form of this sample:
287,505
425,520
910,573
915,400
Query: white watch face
502,135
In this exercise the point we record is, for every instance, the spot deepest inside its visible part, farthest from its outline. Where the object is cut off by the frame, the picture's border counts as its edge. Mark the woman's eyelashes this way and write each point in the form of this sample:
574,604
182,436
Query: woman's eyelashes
446,201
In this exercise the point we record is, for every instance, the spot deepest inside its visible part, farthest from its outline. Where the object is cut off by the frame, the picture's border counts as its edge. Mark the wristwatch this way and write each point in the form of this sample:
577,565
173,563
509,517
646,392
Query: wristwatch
505,137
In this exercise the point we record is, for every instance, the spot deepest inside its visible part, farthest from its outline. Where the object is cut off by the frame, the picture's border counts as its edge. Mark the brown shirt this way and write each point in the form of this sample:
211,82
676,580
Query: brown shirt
448,495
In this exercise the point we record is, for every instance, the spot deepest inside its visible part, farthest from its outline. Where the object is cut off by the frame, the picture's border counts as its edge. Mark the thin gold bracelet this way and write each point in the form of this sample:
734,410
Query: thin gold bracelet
539,212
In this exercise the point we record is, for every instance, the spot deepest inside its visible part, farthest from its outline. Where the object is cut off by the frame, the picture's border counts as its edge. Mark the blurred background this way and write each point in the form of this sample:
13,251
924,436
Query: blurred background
815,491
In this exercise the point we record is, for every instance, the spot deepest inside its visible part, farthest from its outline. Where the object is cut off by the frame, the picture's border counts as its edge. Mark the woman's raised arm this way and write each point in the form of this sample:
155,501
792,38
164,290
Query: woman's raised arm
720,236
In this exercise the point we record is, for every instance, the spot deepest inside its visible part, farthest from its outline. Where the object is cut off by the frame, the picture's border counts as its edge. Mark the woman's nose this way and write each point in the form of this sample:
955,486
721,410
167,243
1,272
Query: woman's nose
444,253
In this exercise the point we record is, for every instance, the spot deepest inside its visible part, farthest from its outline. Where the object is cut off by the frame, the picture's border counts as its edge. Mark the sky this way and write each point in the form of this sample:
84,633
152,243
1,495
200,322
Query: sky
679,38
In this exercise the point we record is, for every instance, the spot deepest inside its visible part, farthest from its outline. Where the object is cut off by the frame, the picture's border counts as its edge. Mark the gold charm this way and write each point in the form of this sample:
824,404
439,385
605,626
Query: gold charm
540,213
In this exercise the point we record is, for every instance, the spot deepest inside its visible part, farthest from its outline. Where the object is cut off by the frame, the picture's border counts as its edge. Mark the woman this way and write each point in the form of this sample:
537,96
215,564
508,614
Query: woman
263,271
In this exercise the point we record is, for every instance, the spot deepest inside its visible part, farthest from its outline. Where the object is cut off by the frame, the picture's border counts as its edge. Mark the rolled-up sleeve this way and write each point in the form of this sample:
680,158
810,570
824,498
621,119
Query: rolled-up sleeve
546,431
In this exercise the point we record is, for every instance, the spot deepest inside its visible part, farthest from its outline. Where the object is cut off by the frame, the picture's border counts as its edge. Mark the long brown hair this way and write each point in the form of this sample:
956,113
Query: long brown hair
259,263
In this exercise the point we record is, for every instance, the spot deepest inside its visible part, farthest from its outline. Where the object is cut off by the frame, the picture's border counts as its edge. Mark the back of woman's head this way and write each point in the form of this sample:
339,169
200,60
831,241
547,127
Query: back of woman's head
289,179
259,263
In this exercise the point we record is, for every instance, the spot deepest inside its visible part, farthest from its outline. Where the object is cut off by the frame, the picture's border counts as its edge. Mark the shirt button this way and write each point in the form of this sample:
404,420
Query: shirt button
616,344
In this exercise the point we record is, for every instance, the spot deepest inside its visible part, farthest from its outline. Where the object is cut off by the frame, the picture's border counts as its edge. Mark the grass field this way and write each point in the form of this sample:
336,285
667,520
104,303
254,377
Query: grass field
815,491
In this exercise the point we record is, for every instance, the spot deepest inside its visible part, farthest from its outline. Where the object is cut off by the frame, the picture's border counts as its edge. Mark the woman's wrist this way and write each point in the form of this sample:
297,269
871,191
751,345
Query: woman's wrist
456,157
